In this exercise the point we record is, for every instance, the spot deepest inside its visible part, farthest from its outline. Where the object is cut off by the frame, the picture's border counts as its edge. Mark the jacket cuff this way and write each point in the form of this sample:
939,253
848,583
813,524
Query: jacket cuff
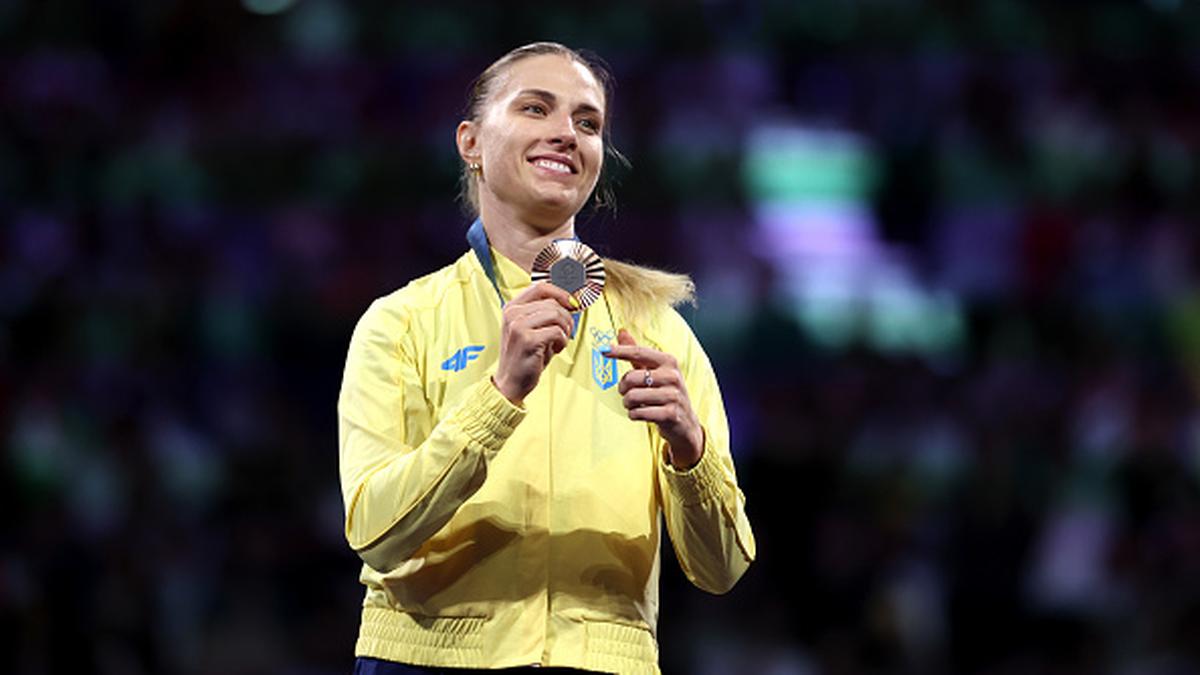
698,483
486,417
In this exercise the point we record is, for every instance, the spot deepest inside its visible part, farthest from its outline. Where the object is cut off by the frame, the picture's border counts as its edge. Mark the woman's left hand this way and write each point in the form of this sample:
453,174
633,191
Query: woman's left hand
654,391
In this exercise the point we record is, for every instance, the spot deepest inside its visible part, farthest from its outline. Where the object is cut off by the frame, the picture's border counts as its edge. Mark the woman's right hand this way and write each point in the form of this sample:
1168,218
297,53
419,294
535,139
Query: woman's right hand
537,325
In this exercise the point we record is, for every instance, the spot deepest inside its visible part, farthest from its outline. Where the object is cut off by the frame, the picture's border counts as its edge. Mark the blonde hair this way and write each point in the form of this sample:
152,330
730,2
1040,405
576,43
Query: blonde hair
639,290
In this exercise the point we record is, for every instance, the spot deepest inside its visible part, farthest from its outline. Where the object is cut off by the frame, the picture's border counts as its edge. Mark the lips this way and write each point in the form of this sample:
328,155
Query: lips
558,164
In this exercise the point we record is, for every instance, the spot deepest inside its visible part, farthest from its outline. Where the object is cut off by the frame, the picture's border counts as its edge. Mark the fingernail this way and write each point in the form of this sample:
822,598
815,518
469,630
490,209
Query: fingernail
574,302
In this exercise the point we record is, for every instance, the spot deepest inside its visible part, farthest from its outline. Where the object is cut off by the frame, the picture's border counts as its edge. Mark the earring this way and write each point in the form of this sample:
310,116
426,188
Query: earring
475,168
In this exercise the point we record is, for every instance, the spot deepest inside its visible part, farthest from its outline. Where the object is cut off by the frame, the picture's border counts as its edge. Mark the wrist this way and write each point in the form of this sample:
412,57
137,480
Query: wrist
508,392
688,453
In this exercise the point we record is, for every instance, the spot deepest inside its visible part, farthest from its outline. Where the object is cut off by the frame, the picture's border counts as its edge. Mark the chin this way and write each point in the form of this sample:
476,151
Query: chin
558,205
549,221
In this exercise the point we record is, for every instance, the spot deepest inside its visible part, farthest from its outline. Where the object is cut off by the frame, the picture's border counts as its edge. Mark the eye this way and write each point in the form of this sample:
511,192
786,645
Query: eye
589,124
535,108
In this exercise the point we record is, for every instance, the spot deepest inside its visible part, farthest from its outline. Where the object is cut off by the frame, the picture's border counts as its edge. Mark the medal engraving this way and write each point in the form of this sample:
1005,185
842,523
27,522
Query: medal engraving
568,274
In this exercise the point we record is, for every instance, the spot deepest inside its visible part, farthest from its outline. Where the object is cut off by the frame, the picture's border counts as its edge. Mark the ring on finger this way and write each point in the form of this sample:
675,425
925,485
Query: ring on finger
649,379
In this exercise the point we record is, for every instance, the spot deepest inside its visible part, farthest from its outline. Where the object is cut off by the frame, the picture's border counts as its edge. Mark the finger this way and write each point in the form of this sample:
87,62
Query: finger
658,414
546,290
552,337
542,313
640,356
627,349
543,316
636,379
624,338
515,313
643,397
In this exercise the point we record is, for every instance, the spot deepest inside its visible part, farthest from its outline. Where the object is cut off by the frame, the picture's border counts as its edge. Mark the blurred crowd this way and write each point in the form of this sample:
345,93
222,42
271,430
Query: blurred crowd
199,199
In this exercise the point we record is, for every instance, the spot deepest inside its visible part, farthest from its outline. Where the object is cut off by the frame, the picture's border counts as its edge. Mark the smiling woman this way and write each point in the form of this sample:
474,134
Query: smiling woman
502,82
538,144
508,452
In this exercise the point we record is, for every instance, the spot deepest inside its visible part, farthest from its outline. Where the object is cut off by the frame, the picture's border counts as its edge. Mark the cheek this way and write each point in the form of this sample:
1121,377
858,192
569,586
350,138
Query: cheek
497,149
502,161
596,155
496,143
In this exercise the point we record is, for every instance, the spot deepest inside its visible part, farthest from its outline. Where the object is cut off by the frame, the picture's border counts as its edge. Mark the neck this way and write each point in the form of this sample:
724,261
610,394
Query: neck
521,241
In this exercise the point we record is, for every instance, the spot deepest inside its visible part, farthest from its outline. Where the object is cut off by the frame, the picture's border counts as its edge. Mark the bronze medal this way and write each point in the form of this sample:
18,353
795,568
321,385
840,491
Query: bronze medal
572,266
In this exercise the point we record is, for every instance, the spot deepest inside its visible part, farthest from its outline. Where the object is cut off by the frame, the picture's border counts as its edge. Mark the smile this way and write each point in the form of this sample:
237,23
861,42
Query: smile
553,165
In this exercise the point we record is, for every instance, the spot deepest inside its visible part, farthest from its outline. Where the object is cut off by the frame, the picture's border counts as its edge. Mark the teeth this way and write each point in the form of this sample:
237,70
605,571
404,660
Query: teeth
552,165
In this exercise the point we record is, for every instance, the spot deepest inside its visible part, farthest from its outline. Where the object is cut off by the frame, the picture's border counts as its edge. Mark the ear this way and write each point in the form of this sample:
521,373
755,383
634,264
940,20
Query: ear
467,138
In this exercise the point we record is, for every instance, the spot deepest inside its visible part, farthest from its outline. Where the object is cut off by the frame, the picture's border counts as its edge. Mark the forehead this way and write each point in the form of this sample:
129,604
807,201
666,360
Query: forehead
564,77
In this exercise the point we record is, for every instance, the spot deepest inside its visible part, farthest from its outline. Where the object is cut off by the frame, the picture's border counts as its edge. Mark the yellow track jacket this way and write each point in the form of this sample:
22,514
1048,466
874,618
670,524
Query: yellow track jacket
496,536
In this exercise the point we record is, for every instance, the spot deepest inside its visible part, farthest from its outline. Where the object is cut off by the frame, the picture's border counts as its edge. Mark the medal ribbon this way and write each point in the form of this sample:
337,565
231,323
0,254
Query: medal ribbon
478,240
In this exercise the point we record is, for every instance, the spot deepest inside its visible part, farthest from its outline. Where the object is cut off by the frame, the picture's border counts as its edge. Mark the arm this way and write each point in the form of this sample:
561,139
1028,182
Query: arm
705,510
403,477
703,506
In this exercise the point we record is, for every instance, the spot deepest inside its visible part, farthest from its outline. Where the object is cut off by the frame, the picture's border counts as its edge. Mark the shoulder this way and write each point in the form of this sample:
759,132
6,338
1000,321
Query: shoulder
666,321
666,327
667,331
415,302
422,294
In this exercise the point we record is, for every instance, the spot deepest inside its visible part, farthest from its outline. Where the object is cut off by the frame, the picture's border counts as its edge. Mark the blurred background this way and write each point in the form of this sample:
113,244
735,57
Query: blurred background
947,261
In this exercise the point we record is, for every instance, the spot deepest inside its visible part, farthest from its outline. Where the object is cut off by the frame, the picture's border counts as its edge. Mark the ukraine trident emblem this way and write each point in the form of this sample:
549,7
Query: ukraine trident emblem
604,369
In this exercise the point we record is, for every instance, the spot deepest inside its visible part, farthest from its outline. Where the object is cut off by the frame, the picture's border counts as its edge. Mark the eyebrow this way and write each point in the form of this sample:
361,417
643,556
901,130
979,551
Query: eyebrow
549,97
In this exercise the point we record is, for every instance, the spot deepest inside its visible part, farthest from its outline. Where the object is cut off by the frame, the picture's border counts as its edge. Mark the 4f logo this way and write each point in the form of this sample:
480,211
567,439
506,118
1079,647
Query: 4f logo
459,359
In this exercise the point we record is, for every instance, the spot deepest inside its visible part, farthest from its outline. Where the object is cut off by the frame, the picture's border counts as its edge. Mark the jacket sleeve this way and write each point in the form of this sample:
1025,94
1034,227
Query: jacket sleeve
403,474
703,506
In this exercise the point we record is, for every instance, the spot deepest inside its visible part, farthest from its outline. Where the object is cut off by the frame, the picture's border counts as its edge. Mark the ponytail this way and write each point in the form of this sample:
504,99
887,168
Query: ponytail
640,291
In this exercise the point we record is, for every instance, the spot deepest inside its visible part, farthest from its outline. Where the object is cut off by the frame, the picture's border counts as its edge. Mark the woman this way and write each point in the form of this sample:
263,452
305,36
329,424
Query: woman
506,454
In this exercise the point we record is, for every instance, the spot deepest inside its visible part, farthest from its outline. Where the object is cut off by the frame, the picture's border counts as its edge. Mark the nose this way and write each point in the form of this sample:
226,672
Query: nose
563,133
